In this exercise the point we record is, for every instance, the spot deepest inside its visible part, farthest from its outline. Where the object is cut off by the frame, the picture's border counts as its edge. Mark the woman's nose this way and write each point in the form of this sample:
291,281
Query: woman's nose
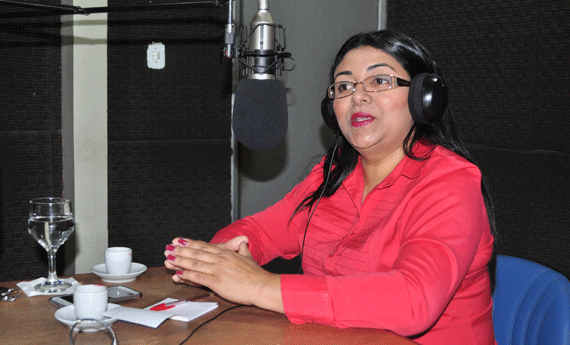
359,94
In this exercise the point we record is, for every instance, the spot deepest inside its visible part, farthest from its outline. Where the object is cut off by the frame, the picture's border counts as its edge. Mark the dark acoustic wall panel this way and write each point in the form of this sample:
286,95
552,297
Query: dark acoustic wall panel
551,128
508,68
532,203
166,189
30,137
169,129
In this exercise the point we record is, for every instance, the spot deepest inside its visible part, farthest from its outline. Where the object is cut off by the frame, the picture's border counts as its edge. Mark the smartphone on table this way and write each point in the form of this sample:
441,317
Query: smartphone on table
117,294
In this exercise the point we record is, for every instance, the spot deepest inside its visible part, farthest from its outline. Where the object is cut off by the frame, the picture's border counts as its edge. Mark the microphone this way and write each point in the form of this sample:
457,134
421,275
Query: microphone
260,104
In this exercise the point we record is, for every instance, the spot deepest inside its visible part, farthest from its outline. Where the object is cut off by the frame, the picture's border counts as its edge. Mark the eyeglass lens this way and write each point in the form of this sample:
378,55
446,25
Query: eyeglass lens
374,83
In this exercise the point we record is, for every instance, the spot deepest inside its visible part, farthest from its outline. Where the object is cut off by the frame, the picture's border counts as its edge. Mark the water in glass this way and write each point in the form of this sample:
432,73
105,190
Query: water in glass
51,223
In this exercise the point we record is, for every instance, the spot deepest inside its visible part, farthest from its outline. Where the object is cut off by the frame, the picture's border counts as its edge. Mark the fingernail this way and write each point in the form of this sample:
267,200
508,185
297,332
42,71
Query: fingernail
182,242
179,273
171,257
170,247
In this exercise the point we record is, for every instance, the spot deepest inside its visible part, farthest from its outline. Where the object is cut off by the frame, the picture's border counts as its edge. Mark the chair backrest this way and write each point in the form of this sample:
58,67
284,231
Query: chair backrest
531,304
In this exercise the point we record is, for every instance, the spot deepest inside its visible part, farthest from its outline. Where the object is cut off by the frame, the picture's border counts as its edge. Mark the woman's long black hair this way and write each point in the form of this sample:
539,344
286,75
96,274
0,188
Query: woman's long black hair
415,59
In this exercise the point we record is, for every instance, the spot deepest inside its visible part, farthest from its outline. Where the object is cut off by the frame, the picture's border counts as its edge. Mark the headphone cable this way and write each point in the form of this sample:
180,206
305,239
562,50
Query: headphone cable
337,140
211,319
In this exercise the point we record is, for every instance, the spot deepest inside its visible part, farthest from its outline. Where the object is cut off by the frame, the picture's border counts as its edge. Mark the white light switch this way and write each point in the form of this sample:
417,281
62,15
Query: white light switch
155,56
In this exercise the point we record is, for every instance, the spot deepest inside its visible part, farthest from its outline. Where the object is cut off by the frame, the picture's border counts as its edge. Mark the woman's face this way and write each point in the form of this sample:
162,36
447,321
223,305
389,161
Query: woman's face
374,123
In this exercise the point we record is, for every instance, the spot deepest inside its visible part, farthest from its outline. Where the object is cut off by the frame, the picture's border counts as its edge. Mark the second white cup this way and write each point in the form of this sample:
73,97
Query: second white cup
118,260
90,301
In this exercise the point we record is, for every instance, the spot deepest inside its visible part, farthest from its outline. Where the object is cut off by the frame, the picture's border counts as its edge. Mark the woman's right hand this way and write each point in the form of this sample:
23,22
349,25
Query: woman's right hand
232,245
226,268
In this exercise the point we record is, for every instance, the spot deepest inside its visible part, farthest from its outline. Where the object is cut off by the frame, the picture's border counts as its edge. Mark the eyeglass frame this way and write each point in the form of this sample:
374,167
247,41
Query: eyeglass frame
394,83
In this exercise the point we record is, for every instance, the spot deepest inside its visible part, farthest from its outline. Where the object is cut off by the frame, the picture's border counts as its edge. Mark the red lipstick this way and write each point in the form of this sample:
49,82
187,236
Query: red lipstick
361,119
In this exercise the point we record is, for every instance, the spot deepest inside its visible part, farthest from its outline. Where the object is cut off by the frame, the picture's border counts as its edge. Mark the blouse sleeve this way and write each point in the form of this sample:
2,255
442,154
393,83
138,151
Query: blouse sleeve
274,232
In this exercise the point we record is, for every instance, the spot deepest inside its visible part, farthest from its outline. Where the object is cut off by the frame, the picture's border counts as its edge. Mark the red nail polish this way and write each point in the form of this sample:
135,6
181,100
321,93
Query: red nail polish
179,273
182,242
170,247
171,257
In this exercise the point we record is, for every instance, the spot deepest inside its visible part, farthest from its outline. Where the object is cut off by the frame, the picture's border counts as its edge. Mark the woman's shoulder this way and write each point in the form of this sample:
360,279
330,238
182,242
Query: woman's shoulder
311,177
444,154
314,170
442,161
447,174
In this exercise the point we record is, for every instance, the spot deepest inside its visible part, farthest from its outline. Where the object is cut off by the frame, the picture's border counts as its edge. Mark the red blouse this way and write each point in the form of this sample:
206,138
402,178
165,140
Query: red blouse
411,258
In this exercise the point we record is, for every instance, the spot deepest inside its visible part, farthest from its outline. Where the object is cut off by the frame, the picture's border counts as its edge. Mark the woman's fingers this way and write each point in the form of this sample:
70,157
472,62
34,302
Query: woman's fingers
227,268
232,244
195,250
196,262
218,266
193,254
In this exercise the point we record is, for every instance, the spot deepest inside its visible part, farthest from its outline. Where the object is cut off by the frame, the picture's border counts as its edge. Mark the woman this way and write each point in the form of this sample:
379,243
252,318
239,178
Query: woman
394,225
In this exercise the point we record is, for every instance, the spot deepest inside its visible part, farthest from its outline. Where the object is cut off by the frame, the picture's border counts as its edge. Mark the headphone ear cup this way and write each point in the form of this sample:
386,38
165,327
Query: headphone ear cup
427,98
327,111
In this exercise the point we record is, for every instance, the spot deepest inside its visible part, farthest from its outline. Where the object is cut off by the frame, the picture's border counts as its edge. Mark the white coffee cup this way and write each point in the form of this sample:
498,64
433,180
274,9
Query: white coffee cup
90,301
118,260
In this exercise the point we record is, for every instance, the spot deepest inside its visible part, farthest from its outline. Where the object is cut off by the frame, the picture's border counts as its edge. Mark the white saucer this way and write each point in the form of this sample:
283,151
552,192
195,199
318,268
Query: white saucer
101,271
67,316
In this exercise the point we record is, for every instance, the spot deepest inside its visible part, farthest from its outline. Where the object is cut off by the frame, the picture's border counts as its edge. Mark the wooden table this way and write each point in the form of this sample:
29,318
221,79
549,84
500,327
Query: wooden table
30,320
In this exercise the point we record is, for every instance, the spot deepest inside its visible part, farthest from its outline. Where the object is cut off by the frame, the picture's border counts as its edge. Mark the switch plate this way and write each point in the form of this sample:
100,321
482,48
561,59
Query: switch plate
155,56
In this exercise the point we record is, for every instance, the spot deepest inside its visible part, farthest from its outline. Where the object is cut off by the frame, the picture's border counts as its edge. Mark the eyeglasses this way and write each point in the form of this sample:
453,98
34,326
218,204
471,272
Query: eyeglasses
375,83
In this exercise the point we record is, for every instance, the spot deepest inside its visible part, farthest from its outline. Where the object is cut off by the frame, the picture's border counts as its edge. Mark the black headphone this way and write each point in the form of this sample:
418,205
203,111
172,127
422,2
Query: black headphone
427,100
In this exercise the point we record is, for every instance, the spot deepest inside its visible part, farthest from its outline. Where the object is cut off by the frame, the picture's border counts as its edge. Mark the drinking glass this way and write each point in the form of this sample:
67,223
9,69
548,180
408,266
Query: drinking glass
50,223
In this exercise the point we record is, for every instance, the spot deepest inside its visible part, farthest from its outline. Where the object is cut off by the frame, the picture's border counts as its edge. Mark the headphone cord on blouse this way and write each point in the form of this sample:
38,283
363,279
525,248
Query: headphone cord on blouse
337,140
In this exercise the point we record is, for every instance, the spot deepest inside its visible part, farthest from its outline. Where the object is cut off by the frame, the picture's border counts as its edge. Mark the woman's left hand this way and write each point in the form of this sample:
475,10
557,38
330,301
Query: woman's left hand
233,275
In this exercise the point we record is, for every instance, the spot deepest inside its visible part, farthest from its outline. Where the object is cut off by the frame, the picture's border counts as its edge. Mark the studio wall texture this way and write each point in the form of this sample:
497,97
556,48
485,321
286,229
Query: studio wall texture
30,136
508,69
169,129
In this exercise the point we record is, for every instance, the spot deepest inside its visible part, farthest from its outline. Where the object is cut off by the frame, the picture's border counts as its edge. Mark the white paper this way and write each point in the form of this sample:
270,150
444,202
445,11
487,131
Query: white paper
143,317
28,287
183,312
187,311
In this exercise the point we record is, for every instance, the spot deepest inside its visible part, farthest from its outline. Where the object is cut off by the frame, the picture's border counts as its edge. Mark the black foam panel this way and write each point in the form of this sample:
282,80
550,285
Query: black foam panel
30,137
169,130
161,190
30,167
530,192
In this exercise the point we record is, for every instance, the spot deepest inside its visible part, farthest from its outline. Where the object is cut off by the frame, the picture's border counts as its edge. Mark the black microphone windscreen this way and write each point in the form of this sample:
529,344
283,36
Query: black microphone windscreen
260,113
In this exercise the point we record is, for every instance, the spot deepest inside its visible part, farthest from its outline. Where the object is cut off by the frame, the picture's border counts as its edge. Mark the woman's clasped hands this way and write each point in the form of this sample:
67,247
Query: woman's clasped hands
226,268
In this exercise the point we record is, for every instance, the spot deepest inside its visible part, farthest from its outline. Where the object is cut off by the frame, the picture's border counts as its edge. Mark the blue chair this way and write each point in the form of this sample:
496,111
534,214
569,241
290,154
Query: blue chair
531,304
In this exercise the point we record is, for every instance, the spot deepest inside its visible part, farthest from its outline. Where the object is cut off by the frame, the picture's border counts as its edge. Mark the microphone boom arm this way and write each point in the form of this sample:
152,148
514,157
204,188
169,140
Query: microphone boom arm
229,50
47,10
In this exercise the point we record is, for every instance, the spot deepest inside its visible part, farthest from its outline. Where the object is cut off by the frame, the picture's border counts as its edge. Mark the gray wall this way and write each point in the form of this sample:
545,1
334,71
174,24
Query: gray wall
314,32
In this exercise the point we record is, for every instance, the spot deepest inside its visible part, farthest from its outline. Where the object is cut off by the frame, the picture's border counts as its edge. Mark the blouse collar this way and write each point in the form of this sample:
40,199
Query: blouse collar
408,167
